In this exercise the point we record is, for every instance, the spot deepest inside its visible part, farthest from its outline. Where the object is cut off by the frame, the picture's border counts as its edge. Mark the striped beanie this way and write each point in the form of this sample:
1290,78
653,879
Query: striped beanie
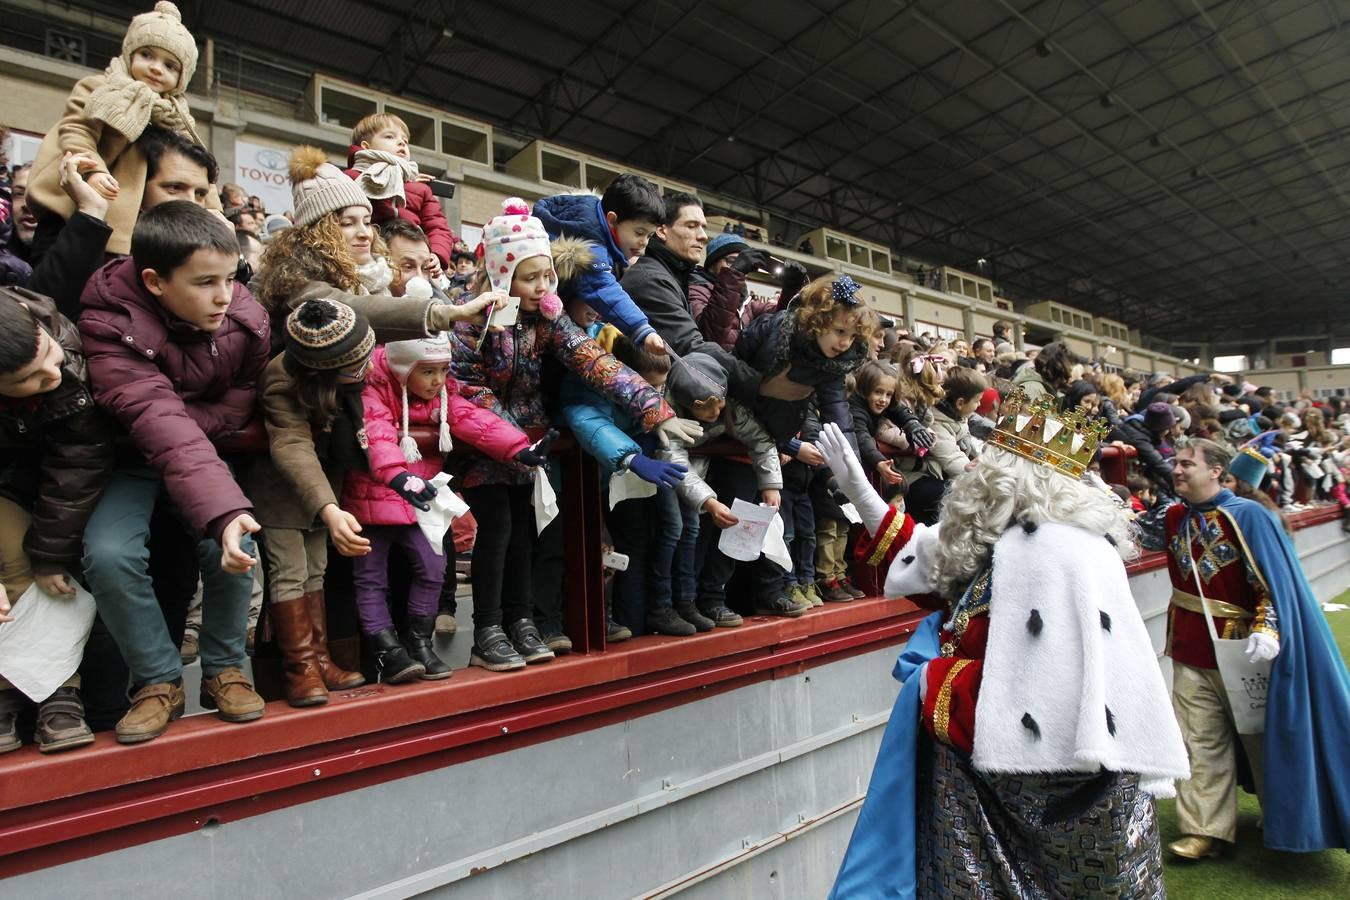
325,334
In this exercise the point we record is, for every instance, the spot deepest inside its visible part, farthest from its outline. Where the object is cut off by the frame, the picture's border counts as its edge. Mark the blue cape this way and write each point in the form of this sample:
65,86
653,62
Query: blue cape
1306,798
879,861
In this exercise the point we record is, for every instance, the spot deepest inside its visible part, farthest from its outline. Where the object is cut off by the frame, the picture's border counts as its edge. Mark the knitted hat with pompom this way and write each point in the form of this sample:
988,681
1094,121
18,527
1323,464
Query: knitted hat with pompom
162,28
318,187
402,357
510,239
325,334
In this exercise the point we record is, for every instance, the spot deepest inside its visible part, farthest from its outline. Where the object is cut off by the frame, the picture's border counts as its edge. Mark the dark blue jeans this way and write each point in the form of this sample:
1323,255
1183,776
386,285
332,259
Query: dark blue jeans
647,531
688,560
799,531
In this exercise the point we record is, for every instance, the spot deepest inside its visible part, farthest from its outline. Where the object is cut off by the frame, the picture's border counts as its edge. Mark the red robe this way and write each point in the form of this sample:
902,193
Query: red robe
1226,573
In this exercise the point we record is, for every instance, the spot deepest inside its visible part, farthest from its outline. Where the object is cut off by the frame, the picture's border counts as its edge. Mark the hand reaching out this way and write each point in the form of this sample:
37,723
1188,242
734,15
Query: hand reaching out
721,513
105,184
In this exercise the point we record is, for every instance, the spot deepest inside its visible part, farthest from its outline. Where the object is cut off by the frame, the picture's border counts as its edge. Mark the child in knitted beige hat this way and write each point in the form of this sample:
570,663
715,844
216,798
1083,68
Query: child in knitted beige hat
107,113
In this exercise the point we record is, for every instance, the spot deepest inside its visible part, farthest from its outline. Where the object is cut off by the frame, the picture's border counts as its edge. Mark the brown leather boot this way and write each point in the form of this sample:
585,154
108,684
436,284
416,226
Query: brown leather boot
153,707
295,637
334,678
231,693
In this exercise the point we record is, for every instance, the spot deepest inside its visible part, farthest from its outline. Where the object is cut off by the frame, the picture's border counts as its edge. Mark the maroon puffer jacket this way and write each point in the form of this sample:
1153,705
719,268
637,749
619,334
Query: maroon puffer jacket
175,388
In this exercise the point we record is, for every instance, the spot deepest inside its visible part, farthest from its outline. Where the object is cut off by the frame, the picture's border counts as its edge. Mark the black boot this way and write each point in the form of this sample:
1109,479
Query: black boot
689,612
529,643
418,645
668,622
394,663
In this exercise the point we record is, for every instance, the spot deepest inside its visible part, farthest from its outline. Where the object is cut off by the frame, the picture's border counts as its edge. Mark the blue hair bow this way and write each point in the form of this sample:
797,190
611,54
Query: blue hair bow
844,290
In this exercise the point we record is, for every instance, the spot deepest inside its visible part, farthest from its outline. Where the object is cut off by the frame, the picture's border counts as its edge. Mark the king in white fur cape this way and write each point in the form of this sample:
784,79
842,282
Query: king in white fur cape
1073,730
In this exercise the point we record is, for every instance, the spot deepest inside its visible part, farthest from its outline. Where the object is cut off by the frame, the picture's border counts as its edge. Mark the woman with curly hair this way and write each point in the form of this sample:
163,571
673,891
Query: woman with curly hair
334,253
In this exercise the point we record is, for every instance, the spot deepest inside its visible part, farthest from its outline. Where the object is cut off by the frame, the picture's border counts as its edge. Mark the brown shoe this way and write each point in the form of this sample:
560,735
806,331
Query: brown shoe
853,592
1195,846
153,707
334,678
188,651
295,637
10,703
231,693
60,722
833,592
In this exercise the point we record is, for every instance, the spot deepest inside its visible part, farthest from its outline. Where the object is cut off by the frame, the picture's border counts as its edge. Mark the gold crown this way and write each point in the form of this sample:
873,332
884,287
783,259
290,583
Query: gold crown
1037,431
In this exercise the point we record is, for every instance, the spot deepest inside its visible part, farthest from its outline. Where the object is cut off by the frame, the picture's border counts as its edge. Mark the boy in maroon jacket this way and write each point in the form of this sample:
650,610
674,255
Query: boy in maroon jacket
175,348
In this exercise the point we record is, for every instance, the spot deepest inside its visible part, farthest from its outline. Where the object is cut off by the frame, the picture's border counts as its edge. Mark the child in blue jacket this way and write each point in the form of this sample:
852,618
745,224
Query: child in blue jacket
617,225
645,529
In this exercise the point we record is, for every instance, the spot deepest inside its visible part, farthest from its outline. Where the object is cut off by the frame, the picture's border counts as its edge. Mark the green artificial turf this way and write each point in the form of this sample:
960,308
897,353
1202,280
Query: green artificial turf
1249,870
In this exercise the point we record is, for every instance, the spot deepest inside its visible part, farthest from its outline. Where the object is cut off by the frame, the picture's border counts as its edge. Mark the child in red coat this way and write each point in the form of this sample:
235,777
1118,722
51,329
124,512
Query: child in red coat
379,160
409,383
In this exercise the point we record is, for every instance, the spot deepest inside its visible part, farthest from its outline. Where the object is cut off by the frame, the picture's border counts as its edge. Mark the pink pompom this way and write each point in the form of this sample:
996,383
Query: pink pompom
551,306
510,257
514,206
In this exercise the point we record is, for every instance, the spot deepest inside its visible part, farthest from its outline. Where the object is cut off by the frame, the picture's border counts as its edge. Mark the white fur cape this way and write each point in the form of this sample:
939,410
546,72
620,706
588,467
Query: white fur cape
1066,644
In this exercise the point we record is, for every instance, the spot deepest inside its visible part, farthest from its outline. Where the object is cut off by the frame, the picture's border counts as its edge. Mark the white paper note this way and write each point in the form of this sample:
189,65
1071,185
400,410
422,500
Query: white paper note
626,485
851,513
43,643
545,500
745,540
446,507
775,548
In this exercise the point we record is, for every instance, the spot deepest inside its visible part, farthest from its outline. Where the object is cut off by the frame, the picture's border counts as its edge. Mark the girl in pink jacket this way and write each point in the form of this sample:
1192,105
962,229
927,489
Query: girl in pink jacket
409,384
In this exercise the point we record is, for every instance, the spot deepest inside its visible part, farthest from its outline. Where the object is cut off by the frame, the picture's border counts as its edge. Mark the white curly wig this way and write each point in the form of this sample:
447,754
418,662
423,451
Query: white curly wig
1004,490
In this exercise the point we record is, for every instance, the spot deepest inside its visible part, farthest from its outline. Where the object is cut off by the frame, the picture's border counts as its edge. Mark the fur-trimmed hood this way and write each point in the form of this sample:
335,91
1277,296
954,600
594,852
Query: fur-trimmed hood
572,256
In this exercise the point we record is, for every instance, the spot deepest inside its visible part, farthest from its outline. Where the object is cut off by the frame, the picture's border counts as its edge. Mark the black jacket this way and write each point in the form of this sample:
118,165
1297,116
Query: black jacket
1131,430
659,285
56,449
79,250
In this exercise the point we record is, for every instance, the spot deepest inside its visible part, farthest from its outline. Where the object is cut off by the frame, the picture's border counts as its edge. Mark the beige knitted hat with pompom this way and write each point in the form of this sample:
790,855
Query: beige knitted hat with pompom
318,187
162,28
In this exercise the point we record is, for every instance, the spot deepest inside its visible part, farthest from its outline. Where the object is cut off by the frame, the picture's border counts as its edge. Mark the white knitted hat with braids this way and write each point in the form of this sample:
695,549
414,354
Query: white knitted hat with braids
401,357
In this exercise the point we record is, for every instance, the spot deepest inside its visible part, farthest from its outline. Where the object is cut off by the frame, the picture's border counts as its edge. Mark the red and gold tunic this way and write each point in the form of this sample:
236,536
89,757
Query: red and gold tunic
1230,581
953,679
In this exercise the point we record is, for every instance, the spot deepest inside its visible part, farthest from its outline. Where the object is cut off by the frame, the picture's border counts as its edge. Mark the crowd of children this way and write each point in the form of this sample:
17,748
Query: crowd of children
367,321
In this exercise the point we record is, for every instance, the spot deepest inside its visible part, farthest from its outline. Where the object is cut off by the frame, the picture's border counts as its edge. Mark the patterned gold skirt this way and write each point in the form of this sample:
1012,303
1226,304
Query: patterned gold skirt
1040,836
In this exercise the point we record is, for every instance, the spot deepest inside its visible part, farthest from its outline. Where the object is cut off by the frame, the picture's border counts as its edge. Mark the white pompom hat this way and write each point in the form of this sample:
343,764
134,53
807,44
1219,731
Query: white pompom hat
401,357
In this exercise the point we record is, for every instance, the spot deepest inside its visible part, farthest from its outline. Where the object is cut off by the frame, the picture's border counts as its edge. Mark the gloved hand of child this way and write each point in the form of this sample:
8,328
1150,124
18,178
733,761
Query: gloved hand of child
918,435
413,489
537,453
662,474
677,430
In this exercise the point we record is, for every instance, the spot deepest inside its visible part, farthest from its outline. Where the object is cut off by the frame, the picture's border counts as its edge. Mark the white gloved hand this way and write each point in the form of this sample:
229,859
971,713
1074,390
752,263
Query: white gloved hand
843,462
1262,646
678,431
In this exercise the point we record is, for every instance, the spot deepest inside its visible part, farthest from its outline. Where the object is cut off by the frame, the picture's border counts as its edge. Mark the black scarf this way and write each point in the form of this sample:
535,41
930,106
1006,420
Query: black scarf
344,441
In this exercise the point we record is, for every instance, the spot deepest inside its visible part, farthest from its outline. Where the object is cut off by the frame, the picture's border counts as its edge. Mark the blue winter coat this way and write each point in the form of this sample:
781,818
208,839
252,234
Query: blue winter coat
597,283
601,428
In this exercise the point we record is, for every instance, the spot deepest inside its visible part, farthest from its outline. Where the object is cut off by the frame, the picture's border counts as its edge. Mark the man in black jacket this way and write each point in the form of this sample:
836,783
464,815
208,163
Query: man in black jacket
659,285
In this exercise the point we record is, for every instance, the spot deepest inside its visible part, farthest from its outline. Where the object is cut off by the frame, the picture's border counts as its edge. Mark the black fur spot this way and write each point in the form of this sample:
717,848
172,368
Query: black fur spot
1106,621
1030,725
1110,540
1034,622
1110,722
1029,527
907,559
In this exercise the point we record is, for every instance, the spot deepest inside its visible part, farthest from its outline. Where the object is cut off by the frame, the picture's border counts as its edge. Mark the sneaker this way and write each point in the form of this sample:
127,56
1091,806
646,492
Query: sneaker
492,650
722,615
60,722
797,594
853,591
558,642
9,720
834,593
153,707
188,651
668,622
811,594
529,644
689,612
779,605
616,633
445,624
231,694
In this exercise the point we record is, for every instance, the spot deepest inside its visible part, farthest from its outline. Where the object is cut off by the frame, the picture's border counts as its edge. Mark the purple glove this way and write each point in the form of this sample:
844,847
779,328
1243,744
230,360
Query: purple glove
413,489
662,474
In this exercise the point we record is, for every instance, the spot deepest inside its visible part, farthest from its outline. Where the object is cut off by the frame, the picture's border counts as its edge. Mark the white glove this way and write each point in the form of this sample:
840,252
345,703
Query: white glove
678,431
839,456
1261,647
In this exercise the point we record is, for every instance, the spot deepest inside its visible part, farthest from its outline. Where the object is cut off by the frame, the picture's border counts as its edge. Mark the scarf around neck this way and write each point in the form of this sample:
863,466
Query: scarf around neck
376,276
382,175
129,106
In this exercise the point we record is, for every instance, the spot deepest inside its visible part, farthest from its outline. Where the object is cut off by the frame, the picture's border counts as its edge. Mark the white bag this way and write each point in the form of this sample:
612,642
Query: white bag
43,644
1245,682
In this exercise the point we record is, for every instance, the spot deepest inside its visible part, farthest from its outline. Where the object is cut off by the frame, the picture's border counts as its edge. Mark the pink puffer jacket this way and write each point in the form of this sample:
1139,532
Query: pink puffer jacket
367,495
